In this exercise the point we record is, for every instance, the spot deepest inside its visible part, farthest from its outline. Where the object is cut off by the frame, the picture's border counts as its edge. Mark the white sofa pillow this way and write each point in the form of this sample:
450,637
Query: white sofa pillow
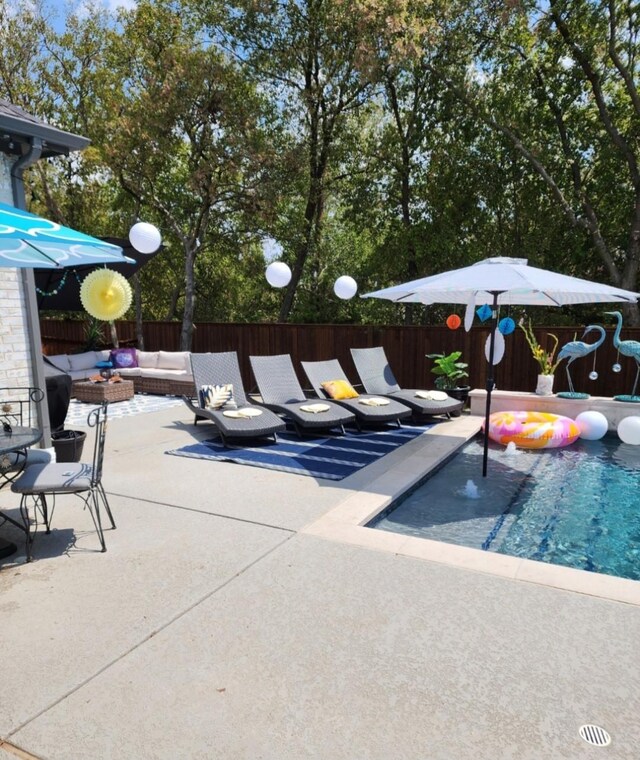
174,360
87,360
61,361
104,355
147,359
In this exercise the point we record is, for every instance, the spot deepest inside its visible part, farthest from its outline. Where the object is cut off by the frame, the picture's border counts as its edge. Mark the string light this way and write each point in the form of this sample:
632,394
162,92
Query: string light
60,285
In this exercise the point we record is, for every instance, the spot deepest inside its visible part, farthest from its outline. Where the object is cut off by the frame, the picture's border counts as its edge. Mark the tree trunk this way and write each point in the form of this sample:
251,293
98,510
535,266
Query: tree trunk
137,295
186,332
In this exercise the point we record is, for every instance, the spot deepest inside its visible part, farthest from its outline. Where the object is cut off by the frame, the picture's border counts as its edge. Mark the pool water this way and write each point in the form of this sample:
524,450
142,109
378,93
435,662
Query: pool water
577,506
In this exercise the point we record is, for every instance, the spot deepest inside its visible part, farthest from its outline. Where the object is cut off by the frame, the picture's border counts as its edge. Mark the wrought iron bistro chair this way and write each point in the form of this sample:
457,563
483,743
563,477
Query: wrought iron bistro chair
19,408
39,481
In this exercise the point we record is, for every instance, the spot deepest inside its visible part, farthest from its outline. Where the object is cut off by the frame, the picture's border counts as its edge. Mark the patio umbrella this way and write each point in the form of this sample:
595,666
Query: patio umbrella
30,241
59,289
499,281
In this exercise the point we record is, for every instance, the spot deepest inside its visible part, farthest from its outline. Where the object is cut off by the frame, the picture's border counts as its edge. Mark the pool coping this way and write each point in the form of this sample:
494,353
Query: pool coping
346,523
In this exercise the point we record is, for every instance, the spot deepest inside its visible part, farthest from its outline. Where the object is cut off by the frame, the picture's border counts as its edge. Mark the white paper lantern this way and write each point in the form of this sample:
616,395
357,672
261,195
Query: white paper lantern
278,274
345,287
592,425
144,237
629,430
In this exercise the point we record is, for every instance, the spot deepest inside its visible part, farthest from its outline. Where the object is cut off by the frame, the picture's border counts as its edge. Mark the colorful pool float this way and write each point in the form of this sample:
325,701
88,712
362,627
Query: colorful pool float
532,430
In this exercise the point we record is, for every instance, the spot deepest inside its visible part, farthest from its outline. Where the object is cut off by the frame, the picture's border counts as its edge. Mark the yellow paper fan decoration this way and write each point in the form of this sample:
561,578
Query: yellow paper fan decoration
105,295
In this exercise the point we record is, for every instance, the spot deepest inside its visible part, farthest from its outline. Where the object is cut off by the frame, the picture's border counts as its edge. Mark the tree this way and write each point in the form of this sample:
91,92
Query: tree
305,50
187,142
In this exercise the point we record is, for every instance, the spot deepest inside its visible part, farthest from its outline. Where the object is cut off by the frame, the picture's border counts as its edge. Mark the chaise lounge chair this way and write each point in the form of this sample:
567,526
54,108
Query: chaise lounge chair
222,369
365,406
377,377
281,392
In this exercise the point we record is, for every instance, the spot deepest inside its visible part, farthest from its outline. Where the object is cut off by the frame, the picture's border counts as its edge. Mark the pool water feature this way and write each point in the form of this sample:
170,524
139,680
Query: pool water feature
577,506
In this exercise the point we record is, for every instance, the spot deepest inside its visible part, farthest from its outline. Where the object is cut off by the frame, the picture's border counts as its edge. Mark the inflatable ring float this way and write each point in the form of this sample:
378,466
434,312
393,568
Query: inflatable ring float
532,430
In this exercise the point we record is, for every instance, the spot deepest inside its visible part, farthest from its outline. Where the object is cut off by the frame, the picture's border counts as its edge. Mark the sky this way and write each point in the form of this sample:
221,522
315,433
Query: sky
61,8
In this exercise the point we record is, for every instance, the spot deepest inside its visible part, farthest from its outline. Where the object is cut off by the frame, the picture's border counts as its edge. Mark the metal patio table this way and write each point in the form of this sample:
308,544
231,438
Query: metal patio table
17,442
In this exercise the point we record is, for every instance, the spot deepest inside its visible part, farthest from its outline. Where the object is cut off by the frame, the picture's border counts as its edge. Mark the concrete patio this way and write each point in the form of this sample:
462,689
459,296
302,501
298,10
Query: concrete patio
216,627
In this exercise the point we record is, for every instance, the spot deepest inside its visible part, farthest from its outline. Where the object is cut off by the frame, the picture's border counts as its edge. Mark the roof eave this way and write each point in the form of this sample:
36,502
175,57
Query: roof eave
57,141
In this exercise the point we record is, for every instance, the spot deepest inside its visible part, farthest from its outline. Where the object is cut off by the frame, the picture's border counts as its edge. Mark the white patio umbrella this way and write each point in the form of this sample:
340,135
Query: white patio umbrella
499,281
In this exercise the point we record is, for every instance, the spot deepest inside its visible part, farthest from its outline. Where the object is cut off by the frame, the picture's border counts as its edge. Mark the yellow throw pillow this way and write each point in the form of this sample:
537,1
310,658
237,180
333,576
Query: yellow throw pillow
339,389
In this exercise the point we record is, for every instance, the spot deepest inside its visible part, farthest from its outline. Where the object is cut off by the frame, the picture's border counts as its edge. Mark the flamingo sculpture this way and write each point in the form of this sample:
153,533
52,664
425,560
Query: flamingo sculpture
576,349
626,347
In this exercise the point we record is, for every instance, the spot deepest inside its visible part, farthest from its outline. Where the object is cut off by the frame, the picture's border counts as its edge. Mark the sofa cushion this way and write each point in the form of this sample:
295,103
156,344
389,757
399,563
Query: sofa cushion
128,372
124,358
174,360
147,359
104,354
84,361
82,374
60,361
167,374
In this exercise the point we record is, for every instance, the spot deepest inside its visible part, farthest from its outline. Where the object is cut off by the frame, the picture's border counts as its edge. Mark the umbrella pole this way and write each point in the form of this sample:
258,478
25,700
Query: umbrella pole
492,344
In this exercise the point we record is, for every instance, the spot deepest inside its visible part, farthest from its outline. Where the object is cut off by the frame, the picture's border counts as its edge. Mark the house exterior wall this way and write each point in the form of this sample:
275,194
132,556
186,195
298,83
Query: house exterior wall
15,360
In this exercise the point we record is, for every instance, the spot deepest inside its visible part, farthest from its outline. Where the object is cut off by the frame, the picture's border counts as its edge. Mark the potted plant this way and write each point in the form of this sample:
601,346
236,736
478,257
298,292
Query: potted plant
450,371
546,358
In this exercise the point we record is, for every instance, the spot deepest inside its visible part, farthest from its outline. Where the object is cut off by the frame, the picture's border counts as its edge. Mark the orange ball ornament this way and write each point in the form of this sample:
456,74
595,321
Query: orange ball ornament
453,322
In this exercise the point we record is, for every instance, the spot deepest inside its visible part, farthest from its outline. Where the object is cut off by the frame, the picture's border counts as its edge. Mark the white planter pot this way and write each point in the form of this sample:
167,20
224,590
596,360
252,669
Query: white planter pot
545,385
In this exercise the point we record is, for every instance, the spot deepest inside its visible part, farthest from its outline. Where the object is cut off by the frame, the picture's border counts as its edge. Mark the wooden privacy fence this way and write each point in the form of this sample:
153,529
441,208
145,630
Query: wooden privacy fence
405,346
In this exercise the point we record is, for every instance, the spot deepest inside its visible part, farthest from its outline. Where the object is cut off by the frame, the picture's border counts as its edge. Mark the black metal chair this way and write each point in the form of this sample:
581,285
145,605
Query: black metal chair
19,408
84,480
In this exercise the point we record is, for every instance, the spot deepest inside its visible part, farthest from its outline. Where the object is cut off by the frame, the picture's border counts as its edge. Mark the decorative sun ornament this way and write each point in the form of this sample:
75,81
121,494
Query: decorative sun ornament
105,295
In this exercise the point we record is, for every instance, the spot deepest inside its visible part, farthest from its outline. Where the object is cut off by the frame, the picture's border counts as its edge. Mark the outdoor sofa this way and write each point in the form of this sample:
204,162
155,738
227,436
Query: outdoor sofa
159,372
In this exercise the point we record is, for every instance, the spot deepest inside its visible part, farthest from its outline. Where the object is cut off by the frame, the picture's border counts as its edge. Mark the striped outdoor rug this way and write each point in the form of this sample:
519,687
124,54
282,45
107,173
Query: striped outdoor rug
331,457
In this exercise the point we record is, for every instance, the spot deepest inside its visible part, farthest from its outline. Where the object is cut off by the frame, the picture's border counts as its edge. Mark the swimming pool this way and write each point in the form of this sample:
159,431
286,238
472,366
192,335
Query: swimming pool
578,506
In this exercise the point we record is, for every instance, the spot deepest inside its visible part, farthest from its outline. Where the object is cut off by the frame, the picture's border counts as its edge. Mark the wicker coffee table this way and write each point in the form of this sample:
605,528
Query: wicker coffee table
96,393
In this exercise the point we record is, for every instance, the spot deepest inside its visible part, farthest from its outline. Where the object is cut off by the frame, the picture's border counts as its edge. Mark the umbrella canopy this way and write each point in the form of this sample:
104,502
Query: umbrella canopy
513,280
59,289
29,241
499,281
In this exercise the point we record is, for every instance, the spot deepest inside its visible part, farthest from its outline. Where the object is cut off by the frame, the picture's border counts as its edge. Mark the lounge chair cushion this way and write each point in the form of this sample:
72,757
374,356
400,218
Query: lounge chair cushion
218,396
339,389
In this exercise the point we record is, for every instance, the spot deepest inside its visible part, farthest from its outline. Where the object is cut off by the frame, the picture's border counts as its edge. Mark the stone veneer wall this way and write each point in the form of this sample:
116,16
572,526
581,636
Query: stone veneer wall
15,361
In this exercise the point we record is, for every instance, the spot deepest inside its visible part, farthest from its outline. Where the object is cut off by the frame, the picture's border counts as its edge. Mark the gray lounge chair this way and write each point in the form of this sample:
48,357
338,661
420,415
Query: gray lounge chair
281,391
377,377
321,372
220,369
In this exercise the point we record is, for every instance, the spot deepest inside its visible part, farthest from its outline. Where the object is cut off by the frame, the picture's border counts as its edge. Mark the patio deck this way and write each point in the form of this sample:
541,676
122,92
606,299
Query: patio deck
215,627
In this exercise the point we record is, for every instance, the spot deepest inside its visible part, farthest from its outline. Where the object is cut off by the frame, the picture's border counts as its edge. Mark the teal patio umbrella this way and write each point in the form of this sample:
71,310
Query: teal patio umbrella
30,241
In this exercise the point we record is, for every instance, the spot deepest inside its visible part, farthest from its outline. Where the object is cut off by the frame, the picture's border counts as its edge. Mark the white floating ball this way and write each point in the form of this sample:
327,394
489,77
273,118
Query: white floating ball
278,274
345,287
629,430
144,237
592,425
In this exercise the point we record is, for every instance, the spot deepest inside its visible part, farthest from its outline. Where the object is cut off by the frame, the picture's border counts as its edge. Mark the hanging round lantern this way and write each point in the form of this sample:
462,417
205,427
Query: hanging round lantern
278,274
506,326
345,287
105,295
453,321
484,312
144,237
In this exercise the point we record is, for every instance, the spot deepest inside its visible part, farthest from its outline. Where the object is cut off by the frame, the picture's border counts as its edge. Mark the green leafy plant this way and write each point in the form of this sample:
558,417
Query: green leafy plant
544,356
448,369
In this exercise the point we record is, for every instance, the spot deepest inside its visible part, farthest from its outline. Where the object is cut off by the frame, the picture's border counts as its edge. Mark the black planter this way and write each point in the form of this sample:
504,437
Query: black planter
68,445
460,394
